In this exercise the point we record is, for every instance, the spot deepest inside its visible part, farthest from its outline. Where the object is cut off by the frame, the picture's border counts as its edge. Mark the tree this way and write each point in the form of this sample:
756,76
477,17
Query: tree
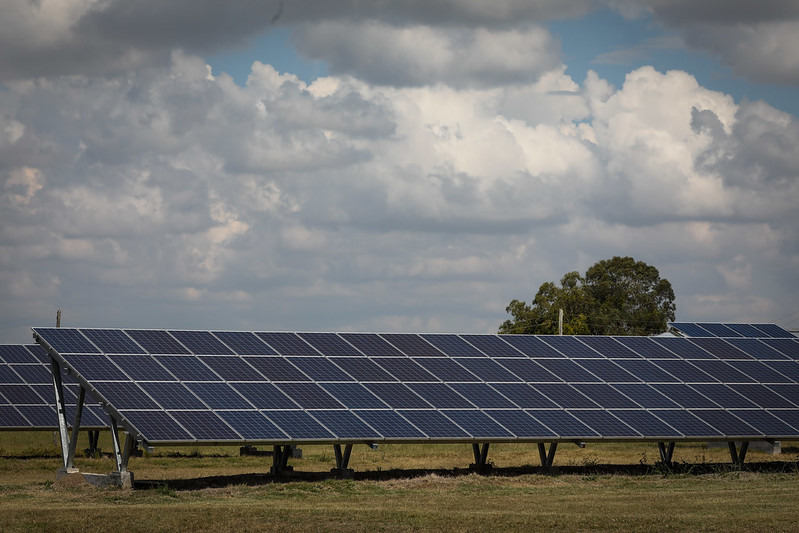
619,296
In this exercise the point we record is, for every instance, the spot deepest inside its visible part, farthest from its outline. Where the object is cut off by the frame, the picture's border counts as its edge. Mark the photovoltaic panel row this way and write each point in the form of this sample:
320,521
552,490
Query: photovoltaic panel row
428,394
708,329
26,392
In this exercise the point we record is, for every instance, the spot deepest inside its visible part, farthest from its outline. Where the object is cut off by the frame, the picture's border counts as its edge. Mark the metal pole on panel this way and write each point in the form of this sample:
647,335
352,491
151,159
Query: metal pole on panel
560,321
58,318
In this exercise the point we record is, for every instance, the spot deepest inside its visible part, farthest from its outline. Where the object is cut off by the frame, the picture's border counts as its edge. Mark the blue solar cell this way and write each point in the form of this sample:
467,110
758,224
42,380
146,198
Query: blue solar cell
21,394
412,344
201,342
727,423
531,346
11,418
232,368
563,424
112,341
520,423
756,349
142,368
608,371
156,426
723,395
157,342
564,395
354,396
685,371
528,370
609,347
604,423
768,423
571,346
788,391
486,369
492,345
371,344
685,396
397,395
345,425
745,330
16,353
39,354
682,347
758,371
774,330
205,425
91,417
244,343
7,375
30,374
719,330
720,348
452,345
389,424
789,347
440,395
477,424
404,369
187,368
299,425
287,343
524,395
605,395
362,369
219,396
39,415
690,329
309,396
482,395
645,347
686,423
330,344
445,369
252,425
66,340
645,396
264,395
788,369
95,367
319,369
723,371
645,423
434,424
762,396
276,369
172,395
567,370
126,395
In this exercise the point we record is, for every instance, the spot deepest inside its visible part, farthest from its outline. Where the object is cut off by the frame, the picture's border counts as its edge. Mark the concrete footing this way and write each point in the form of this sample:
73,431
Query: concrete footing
114,479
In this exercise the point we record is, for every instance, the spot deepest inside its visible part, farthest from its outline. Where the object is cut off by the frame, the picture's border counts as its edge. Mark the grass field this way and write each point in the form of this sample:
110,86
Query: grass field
401,488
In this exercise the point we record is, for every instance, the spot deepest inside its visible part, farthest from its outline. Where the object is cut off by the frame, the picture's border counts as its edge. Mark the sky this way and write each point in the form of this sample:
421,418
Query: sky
382,165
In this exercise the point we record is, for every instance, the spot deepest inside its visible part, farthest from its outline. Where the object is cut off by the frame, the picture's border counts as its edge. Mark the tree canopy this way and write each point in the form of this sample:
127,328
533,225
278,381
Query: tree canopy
619,296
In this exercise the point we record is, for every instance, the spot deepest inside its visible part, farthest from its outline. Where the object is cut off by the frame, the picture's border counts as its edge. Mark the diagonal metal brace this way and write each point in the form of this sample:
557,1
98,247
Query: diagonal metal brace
547,458
666,453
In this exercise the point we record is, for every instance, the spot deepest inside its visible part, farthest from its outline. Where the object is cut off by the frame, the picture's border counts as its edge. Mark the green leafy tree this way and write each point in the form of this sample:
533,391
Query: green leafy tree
619,296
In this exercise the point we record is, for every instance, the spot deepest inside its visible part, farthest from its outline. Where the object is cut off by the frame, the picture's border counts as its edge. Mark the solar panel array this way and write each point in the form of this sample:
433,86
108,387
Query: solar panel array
26,392
711,329
280,387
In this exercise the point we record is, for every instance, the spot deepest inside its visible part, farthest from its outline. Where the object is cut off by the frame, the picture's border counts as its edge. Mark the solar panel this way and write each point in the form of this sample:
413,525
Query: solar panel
201,342
745,330
452,345
690,329
411,344
774,330
329,344
280,387
17,353
719,330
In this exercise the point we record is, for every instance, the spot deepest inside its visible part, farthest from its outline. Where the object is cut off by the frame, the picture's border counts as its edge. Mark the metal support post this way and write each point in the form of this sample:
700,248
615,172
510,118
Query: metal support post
666,453
738,456
547,458
58,387
280,458
94,437
342,459
115,441
480,455
73,441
